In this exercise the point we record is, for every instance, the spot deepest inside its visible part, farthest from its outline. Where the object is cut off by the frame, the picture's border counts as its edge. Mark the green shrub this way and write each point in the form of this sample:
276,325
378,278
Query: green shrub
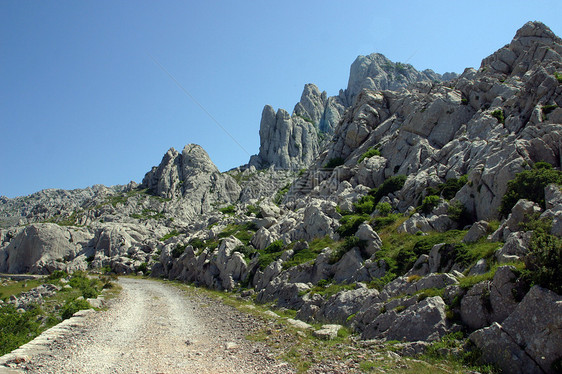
349,243
546,110
15,328
429,203
276,246
390,185
530,185
544,261
196,243
57,274
89,293
458,213
370,153
253,209
384,221
143,267
365,205
334,162
350,224
384,209
72,307
247,250
499,115
451,186
281,194
558,76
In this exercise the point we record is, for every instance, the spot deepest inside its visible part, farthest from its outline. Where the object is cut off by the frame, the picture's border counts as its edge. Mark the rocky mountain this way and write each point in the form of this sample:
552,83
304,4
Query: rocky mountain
293,141
433,214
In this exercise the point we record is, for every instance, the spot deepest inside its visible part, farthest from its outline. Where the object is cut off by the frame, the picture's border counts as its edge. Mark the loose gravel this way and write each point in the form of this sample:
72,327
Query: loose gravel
154,327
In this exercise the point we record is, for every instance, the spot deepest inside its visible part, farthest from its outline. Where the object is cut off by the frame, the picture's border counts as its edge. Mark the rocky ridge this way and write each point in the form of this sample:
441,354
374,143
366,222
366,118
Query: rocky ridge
294,141
416,162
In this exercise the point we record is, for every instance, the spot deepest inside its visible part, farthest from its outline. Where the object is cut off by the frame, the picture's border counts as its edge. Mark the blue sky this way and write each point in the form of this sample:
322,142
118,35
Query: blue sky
83,102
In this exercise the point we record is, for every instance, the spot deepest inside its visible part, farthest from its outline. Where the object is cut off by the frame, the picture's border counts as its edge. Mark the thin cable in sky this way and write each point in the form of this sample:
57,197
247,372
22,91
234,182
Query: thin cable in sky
197,102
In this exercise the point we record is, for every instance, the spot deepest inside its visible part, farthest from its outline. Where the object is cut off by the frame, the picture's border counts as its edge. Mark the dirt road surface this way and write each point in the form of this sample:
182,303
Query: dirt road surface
154,327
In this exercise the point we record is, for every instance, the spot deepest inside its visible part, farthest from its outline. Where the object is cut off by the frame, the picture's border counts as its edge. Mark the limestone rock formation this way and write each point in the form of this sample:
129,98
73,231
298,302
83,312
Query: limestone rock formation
377,73
287,142
487,124
294,141
193,176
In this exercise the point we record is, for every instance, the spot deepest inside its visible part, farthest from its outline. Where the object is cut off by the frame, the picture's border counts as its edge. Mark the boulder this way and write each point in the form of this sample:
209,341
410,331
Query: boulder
340,306
530,339
38,247
516,246
477,231
365,232
476,307
327,332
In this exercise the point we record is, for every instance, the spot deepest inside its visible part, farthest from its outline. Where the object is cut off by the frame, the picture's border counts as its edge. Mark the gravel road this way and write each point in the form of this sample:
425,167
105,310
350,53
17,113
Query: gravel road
154,327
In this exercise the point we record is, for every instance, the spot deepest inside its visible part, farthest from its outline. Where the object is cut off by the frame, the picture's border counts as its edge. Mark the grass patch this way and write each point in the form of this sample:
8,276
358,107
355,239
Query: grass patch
230,210
169,235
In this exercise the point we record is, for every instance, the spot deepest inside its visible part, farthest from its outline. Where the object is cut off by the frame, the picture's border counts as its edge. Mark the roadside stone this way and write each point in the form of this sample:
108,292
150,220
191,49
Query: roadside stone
299,324
327,332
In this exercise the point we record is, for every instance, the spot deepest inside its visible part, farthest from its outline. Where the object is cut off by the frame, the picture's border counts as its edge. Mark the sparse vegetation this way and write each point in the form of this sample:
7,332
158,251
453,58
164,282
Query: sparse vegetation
546,110
390,185
449,189
429,203
350,224
334,162
169,235
230,210
17,327
499,115
544,261
281,194
530,185
369,153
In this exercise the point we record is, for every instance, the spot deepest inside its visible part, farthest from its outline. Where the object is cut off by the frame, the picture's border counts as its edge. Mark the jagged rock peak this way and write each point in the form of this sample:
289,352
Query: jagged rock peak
312,103
533,44
179,174
376,72
287,142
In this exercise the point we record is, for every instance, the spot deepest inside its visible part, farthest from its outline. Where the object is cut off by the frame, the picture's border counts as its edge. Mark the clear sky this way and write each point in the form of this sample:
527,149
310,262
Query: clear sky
84,99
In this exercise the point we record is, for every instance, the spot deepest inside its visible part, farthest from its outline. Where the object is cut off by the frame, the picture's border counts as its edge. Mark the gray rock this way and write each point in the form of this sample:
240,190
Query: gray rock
502,293
346,269
327,332
516,246
476,307
499,349
477,231
529,340
285,142
39,247
481,267
342,305
424,321
366,233
299,324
